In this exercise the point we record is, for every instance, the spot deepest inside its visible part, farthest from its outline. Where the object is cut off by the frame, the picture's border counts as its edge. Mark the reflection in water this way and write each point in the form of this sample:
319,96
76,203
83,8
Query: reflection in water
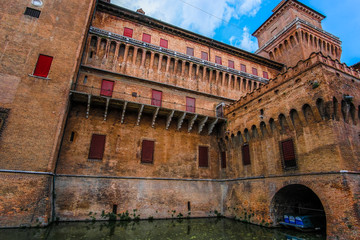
207,229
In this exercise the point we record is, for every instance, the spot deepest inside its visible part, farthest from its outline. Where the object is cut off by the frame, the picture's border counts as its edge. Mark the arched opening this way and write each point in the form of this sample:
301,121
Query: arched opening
295,119
283,123
254,131
308,113
298,204
247,135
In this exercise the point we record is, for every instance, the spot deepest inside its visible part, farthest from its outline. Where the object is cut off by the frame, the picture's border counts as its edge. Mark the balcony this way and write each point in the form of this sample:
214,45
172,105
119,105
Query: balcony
130,103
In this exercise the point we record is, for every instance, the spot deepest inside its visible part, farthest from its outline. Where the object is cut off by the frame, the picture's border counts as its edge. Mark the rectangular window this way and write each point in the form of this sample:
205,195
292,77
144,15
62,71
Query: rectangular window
204,56
146,38
243,67
231,64
32,12
107,88
3,116
156,98
223,159
190,104
147,151
97,147
189,51
43,66
220,110
266,75
254,71
128,32
203,156
288,153
163,43
246,154
218,60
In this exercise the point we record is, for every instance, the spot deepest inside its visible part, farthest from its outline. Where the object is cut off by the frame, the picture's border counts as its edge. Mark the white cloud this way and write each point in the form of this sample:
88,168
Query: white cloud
178,13
246,42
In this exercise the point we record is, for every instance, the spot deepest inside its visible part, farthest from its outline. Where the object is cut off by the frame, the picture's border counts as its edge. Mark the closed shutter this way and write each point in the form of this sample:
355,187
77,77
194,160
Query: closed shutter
218,60
231,64
156,98
190,104
107,88
147,151
146,38
163,43
288,153
254,71
265,75
203,156
43,66
128,32
246,155
243,68
204,56
190,51
223,159
97,146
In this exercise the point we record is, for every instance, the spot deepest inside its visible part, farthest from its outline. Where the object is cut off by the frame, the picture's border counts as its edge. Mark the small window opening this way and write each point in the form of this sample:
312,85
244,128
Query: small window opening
72,136
91,54
189,206
261,111
85,79
114,209
32,12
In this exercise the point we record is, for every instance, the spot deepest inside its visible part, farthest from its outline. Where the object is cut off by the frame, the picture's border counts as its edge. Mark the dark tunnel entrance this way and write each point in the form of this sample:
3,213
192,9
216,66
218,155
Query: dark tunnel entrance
298,205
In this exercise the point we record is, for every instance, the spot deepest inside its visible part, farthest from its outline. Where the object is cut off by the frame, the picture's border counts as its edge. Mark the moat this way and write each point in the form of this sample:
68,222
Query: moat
208,229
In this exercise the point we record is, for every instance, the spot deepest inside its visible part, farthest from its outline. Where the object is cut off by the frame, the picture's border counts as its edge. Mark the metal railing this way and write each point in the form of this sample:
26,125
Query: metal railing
107,34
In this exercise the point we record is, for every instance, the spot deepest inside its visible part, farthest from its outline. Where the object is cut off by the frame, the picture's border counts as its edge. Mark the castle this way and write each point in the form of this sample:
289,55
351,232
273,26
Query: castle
106,109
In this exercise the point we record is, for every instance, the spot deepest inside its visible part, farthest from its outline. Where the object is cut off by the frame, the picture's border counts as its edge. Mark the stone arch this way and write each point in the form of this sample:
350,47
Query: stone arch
179,68
295,119
335,109
345,110
121,52
147,59
286,44
247,135
321,108
263,129
164,61
272,125
239,138
308,113
283,123
281,49
254,132
292,41
138,57
352,113
130,54
271,55
156,62
93,41
297,37
276,52
297,200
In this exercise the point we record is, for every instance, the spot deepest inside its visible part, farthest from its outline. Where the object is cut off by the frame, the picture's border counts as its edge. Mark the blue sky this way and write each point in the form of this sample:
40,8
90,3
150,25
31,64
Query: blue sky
233,21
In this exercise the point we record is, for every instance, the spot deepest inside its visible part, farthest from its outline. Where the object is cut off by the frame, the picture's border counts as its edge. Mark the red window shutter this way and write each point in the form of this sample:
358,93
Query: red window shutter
254,71
246,155
43,66
204,56
190,51
163,43
231,64
156,98
146,38
223,159
266,75
218,60
288,152
107,88
97,147
203,156
190,104
243,68
128,32
147,151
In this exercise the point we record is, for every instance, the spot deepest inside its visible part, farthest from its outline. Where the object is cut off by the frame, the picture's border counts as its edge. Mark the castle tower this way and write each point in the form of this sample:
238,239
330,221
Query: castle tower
293,32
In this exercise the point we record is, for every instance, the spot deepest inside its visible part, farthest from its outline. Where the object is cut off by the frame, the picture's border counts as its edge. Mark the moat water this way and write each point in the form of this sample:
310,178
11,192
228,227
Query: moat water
198,229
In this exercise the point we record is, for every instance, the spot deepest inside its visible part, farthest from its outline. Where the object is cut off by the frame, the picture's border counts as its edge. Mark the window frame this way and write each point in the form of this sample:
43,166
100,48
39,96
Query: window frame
243,67
152,144
218,60
223,159
283,160
248,162
190,108
190,51
126,29
4,113
103,91
153,100
92,143
145,35
39,65
203,54
255,71
265,75
201,164
162,41
231,64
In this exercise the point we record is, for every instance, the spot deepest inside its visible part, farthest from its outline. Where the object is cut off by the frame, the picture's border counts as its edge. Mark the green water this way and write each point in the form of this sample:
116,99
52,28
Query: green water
199,229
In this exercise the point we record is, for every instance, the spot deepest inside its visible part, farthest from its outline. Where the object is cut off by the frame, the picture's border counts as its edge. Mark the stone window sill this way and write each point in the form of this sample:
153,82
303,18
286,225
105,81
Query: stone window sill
45,78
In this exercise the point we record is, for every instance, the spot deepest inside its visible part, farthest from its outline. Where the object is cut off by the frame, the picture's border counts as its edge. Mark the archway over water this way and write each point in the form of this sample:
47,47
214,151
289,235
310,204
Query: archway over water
297,200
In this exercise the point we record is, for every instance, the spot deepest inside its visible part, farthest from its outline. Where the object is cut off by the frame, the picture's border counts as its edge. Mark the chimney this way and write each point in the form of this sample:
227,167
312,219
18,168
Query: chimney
140,11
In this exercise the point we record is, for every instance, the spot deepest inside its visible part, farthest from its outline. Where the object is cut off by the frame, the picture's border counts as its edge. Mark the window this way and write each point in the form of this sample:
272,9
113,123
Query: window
220,110
163,43
254,71
231,64
97,147
146,38
204,56
243,67
190,51
288,154
266,75
190,104
156,98
246,154
32,12
128,32
43,66
203,156
3,116
107,88
147,151
218,60
223,159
